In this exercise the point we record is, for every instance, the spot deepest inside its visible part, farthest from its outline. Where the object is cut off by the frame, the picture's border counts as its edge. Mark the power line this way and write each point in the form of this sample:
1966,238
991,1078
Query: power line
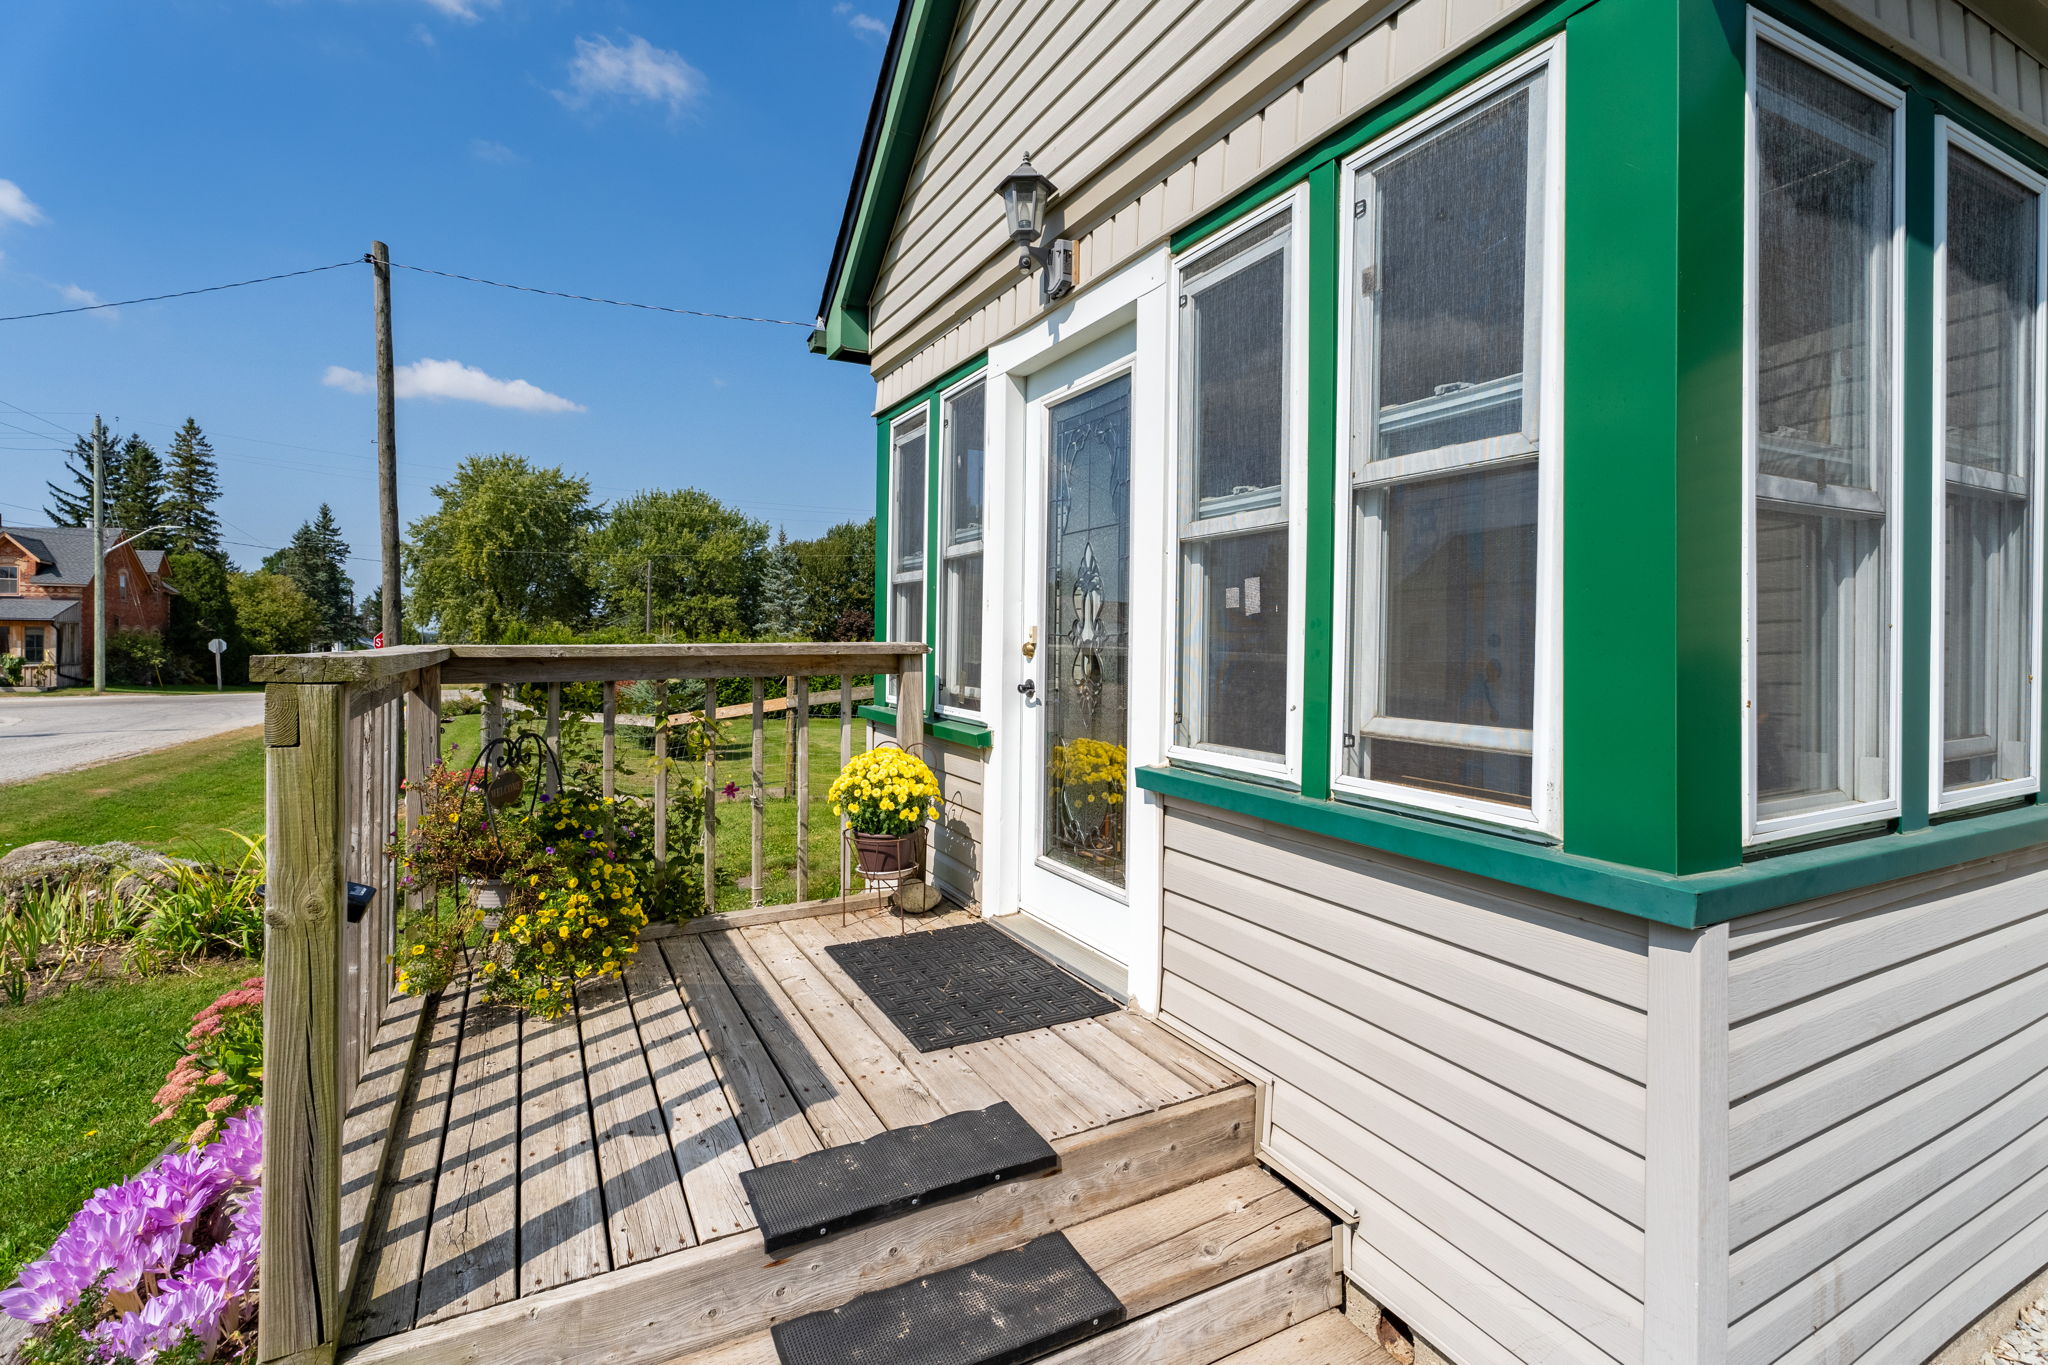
592,298
180,294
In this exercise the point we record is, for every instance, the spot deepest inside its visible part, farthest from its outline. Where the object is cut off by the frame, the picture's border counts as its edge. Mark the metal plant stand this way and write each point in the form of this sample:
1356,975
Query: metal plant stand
906,884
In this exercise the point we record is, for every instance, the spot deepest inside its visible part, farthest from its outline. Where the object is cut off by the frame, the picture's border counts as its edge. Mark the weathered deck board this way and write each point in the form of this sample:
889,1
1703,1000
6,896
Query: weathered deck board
836,1112
710,1151
1170,1050
1146,1078
768,1114
472,1242
561,1217
645,1211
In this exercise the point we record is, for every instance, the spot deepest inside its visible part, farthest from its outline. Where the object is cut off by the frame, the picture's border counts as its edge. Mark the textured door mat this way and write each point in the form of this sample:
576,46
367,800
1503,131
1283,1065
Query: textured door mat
1001,1310
966,984
842,1187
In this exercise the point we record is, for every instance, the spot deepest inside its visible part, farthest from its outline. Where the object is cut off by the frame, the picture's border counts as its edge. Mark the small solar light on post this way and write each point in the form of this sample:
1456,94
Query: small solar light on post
219,647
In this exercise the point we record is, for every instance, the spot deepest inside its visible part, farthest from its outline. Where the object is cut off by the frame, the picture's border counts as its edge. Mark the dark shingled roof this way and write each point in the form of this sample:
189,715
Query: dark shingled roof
66,552
63,609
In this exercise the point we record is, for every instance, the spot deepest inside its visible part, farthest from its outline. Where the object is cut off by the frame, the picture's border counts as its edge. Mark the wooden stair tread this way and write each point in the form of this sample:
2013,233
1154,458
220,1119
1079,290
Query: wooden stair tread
1227,1261
1327,1339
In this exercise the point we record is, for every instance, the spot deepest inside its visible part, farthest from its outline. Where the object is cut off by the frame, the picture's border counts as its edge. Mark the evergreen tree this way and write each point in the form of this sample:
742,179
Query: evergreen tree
73,506
316,561
783,600
192,486
202,610
135,491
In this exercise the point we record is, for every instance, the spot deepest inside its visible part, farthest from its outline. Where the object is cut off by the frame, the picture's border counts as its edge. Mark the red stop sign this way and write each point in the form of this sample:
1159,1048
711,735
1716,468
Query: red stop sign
379,641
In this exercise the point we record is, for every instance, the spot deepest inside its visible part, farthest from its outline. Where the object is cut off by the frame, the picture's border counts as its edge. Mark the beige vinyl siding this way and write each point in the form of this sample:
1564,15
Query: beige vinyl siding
1888,1122
954,846
1460,1063
1954,41
1146,114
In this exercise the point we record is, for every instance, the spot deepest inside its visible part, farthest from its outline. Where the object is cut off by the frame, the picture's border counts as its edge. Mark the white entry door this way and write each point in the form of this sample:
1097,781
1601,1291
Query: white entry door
1077,686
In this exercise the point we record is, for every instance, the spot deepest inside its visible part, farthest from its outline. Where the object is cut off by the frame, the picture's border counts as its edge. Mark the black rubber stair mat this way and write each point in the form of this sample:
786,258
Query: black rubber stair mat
1003,1309
812,1196
967,984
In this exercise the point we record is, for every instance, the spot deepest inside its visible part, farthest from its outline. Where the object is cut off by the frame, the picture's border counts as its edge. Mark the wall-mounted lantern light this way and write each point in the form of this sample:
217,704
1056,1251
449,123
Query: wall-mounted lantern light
1025,193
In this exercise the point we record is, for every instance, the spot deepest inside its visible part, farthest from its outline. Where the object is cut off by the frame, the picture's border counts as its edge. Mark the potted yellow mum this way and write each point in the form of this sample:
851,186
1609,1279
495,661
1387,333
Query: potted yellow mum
886,796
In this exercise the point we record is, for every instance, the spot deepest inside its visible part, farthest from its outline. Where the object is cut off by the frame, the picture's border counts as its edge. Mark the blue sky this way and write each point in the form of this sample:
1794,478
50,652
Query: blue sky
665,151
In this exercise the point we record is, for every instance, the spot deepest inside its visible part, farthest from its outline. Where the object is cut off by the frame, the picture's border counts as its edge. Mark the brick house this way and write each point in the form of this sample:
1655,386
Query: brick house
46,596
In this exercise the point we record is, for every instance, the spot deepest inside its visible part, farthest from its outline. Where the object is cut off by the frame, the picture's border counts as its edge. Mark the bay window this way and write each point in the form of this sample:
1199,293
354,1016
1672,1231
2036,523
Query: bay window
1238,328
1988,401
1824,222
907,442
963,435
1447,656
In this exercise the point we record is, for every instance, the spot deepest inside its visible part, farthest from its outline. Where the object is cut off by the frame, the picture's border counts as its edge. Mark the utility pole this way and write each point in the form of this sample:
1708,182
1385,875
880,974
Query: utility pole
99,556
387,446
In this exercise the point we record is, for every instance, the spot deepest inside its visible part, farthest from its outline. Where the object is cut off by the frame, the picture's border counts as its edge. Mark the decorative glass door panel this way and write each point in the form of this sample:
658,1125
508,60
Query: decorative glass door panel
1087,602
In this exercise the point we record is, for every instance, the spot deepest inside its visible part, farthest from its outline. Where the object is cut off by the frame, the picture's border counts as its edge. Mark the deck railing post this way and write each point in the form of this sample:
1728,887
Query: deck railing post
661,715
494,713
760,811
708,713
845,757
801,780
422,749
302,1012
611,739
551,780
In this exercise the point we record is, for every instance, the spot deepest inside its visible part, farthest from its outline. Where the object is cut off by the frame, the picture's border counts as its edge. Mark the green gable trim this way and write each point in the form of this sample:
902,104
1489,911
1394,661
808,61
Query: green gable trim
1689,902
968,734
908,87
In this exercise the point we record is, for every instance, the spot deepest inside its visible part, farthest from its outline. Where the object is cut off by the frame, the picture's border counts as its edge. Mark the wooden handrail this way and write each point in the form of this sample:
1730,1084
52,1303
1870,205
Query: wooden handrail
587,663
363,665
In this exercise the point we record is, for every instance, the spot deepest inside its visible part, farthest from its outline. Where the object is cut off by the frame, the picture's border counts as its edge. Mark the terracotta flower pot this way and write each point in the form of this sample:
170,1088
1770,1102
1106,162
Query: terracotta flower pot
886,855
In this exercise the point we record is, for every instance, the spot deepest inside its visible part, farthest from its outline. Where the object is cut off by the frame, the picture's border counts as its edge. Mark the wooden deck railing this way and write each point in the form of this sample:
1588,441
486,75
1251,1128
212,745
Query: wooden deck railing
340,731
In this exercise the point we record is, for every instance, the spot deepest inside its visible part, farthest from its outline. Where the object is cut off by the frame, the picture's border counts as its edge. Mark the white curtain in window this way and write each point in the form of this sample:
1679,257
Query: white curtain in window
1235,316
1824,227
1449,233
960,548
1990,391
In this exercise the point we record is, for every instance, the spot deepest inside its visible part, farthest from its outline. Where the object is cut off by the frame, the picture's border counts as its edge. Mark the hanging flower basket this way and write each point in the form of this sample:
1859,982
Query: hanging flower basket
888,855
489,894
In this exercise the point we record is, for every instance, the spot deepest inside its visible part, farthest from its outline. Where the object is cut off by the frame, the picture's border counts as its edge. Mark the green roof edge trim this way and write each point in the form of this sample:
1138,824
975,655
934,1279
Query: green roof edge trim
1691,901
903,101
968,734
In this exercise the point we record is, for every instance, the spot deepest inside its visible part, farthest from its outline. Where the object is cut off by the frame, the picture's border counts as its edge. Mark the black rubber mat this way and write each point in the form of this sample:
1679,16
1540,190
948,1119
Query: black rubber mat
843,1187
1003,1309
972,982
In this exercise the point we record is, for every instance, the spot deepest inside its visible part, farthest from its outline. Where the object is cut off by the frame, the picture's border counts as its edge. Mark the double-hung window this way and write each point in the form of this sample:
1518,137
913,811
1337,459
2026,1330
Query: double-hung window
1452,460
10,580
1988,428
963,440
907,445
32,645
1824,280
1239,328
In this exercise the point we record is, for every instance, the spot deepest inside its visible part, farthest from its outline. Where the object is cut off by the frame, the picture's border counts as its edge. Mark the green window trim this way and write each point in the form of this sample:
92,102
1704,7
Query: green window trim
968,734
1690,901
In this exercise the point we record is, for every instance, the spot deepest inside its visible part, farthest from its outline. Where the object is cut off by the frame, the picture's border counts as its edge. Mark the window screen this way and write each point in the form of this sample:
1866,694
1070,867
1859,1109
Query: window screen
1990,359
1822,419
1449,235
960,536
1235,441
906,531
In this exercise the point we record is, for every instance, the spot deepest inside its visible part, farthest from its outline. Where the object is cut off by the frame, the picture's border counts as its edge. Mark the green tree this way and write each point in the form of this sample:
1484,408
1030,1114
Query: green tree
785,607
135,492
694,558
72,506
202,610
504,549
837,572
316,560
273,614
192,487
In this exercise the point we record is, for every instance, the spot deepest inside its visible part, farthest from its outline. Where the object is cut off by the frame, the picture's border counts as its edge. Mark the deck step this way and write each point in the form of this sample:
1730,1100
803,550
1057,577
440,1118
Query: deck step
1202,1272
855,1183
1326,1339
1005,1309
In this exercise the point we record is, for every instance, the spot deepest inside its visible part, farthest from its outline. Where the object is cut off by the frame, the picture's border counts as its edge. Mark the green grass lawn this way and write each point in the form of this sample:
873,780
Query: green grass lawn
77,1072
179,800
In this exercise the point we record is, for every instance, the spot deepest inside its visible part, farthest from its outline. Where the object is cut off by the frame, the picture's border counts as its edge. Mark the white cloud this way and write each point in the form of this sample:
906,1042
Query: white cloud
494,153
635,70
78,296
18,206
465,10
860,22
451,379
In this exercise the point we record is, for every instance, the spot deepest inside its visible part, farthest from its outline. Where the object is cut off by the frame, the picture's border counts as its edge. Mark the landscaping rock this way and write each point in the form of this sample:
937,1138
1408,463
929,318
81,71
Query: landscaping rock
2027,1342
55,863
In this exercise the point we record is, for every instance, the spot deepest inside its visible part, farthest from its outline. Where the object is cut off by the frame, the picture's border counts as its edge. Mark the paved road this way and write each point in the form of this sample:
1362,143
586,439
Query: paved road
41,735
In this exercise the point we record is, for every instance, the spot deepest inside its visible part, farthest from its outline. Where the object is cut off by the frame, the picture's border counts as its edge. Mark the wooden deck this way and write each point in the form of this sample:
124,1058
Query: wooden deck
529,1156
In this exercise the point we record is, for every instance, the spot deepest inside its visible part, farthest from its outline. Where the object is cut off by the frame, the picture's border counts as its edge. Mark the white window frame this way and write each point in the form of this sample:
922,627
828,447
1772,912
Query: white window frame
10,580
1947,135
1545,809
956,619
1763,28
921,572
1293,505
